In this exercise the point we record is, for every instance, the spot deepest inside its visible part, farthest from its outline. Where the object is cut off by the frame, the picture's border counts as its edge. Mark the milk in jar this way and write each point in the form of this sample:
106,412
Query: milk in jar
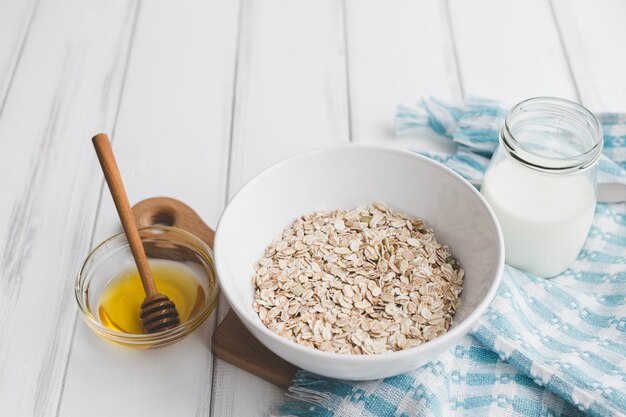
541,183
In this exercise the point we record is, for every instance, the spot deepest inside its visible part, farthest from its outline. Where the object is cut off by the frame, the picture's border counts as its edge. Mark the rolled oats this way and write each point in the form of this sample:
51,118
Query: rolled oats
363,281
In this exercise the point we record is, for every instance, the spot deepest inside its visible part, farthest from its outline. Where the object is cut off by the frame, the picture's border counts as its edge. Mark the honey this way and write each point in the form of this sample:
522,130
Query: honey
120,303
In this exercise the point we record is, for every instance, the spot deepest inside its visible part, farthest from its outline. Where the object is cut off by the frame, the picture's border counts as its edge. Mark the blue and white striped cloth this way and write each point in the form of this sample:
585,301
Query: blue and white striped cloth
544,347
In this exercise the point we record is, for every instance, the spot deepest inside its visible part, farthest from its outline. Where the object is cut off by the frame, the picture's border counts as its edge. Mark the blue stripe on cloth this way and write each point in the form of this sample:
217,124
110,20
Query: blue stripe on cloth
528,407
524,380
601,257
378,406
613,300
482,378
593,277
470,403
482,355
596,361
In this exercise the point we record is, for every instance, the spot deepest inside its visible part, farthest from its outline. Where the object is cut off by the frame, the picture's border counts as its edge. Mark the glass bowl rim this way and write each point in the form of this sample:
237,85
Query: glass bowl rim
158,338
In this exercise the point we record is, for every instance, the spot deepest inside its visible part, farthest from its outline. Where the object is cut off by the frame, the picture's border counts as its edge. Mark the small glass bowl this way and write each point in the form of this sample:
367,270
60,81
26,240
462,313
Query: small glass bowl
160,242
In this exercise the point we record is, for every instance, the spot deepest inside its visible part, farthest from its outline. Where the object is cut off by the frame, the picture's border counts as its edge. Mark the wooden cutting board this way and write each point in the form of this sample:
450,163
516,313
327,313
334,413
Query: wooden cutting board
233,343
231,340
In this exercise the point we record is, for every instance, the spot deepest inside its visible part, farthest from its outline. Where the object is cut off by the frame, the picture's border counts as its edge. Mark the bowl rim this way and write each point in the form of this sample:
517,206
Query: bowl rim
441,341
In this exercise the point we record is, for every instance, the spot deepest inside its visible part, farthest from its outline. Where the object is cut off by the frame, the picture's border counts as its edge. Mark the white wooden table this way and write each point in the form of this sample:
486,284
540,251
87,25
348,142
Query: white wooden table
198,97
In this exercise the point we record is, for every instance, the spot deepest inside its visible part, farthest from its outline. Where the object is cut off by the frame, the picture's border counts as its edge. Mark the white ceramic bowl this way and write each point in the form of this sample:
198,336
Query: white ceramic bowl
346,177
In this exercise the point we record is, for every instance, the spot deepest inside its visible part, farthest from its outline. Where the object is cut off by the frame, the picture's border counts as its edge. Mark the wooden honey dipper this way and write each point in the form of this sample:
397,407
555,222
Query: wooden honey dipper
158,312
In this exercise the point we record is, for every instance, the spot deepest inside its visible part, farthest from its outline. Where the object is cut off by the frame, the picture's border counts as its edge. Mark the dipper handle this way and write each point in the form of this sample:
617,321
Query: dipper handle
114,180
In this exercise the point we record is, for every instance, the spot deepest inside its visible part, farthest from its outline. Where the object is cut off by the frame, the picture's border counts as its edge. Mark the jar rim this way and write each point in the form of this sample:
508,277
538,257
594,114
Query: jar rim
532,159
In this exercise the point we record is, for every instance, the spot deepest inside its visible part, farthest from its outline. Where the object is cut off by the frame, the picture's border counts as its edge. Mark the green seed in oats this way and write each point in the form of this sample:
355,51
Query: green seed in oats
297,290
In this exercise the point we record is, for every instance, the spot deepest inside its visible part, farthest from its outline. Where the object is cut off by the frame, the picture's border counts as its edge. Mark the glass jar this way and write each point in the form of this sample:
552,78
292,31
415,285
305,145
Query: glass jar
541,182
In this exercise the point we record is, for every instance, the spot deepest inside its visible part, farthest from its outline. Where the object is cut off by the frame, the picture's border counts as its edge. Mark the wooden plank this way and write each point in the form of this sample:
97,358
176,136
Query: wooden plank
509,50
399,51
291,96
594,34
68,83
15,21
171,138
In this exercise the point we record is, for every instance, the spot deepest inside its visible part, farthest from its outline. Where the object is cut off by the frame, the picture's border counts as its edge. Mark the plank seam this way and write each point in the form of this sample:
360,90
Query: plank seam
455,54
228,178
233,105
344,13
